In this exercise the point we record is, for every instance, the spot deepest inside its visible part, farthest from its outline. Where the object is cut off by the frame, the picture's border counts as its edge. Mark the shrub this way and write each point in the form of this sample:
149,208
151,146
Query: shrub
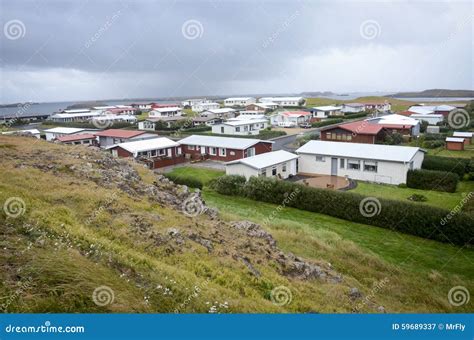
458,166
327,122
432,144
393,139
185,180
424,221
432,180
354,115
418,198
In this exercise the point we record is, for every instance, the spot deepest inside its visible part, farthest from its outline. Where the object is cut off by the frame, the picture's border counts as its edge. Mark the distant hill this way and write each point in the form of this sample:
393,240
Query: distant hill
86,105
434,93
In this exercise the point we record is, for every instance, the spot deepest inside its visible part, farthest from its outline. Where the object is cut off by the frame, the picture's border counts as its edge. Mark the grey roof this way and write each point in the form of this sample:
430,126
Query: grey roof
358,150
221,142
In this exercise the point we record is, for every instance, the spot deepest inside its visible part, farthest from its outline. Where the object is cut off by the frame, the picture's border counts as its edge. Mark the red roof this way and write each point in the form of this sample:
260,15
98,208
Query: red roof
360,127
73,138
118,133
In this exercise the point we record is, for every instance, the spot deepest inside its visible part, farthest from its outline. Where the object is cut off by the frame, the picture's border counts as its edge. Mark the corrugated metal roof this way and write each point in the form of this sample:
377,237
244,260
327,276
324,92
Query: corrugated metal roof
359,150
221,142
454,139
147,144
462,134
265,160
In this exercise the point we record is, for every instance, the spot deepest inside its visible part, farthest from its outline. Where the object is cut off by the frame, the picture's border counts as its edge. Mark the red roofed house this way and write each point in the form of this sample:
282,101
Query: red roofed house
290,118
115,136
354,132
79,139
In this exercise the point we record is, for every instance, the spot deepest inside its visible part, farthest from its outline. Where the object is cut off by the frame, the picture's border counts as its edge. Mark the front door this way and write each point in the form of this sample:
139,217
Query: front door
333,166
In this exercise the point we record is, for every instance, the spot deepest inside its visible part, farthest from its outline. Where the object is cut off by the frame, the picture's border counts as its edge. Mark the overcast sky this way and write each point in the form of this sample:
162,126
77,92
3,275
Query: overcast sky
81,50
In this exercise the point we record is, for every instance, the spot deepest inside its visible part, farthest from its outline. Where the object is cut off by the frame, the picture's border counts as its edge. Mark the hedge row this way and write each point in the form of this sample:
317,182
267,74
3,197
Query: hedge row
459,166
355,115
327,122
410,218
432,180
185,180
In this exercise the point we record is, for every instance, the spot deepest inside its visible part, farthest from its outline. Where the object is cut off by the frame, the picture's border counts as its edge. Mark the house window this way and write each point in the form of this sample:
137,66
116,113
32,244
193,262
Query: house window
349,137
341,163
353,164
213,151
370,166
283,167
339,137
222,152
274,170
250,152
178,151
237,129
333,136
161,152
153,153
191,147
232,153
328,135
222,129
320,158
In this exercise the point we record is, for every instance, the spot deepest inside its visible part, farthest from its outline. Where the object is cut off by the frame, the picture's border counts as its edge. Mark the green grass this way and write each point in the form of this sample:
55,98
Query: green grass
436,198
468,152
418,269
203,174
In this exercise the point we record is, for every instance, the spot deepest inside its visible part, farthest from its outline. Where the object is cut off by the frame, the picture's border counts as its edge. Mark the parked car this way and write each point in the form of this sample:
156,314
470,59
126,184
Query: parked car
305,125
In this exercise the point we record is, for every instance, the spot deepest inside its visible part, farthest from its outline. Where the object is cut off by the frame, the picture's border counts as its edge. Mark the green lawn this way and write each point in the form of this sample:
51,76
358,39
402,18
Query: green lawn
203,174
440,199
468,152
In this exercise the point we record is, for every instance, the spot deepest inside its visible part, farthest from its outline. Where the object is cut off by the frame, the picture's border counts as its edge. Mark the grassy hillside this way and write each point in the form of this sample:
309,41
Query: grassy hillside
91,221
397,104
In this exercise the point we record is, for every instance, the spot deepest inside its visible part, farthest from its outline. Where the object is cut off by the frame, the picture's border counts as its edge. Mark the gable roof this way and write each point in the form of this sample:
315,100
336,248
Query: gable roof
359,150
222,142
454,139
72,138
146,145
266,159
64,130
463,134
119,133
359,127
239,122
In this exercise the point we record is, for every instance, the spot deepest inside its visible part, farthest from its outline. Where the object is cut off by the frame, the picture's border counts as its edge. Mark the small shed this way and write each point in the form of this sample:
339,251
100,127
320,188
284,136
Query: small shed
454,143
466,135
280,164
432,129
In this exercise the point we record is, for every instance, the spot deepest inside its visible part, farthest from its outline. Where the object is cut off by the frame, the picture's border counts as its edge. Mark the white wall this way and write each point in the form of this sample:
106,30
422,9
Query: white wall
231,130
387,172
247,171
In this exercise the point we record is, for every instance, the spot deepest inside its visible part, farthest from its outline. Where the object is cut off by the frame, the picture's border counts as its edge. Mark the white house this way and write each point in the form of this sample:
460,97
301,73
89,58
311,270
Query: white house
204,106
239,101
194,101
366,162
290,118
284,101
207,120
398,123
31,132
245,115
379,107
431,118
110,118
224,113
142,106
52,134
280,164
326,111
353,108
240,127
171,111
79,115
